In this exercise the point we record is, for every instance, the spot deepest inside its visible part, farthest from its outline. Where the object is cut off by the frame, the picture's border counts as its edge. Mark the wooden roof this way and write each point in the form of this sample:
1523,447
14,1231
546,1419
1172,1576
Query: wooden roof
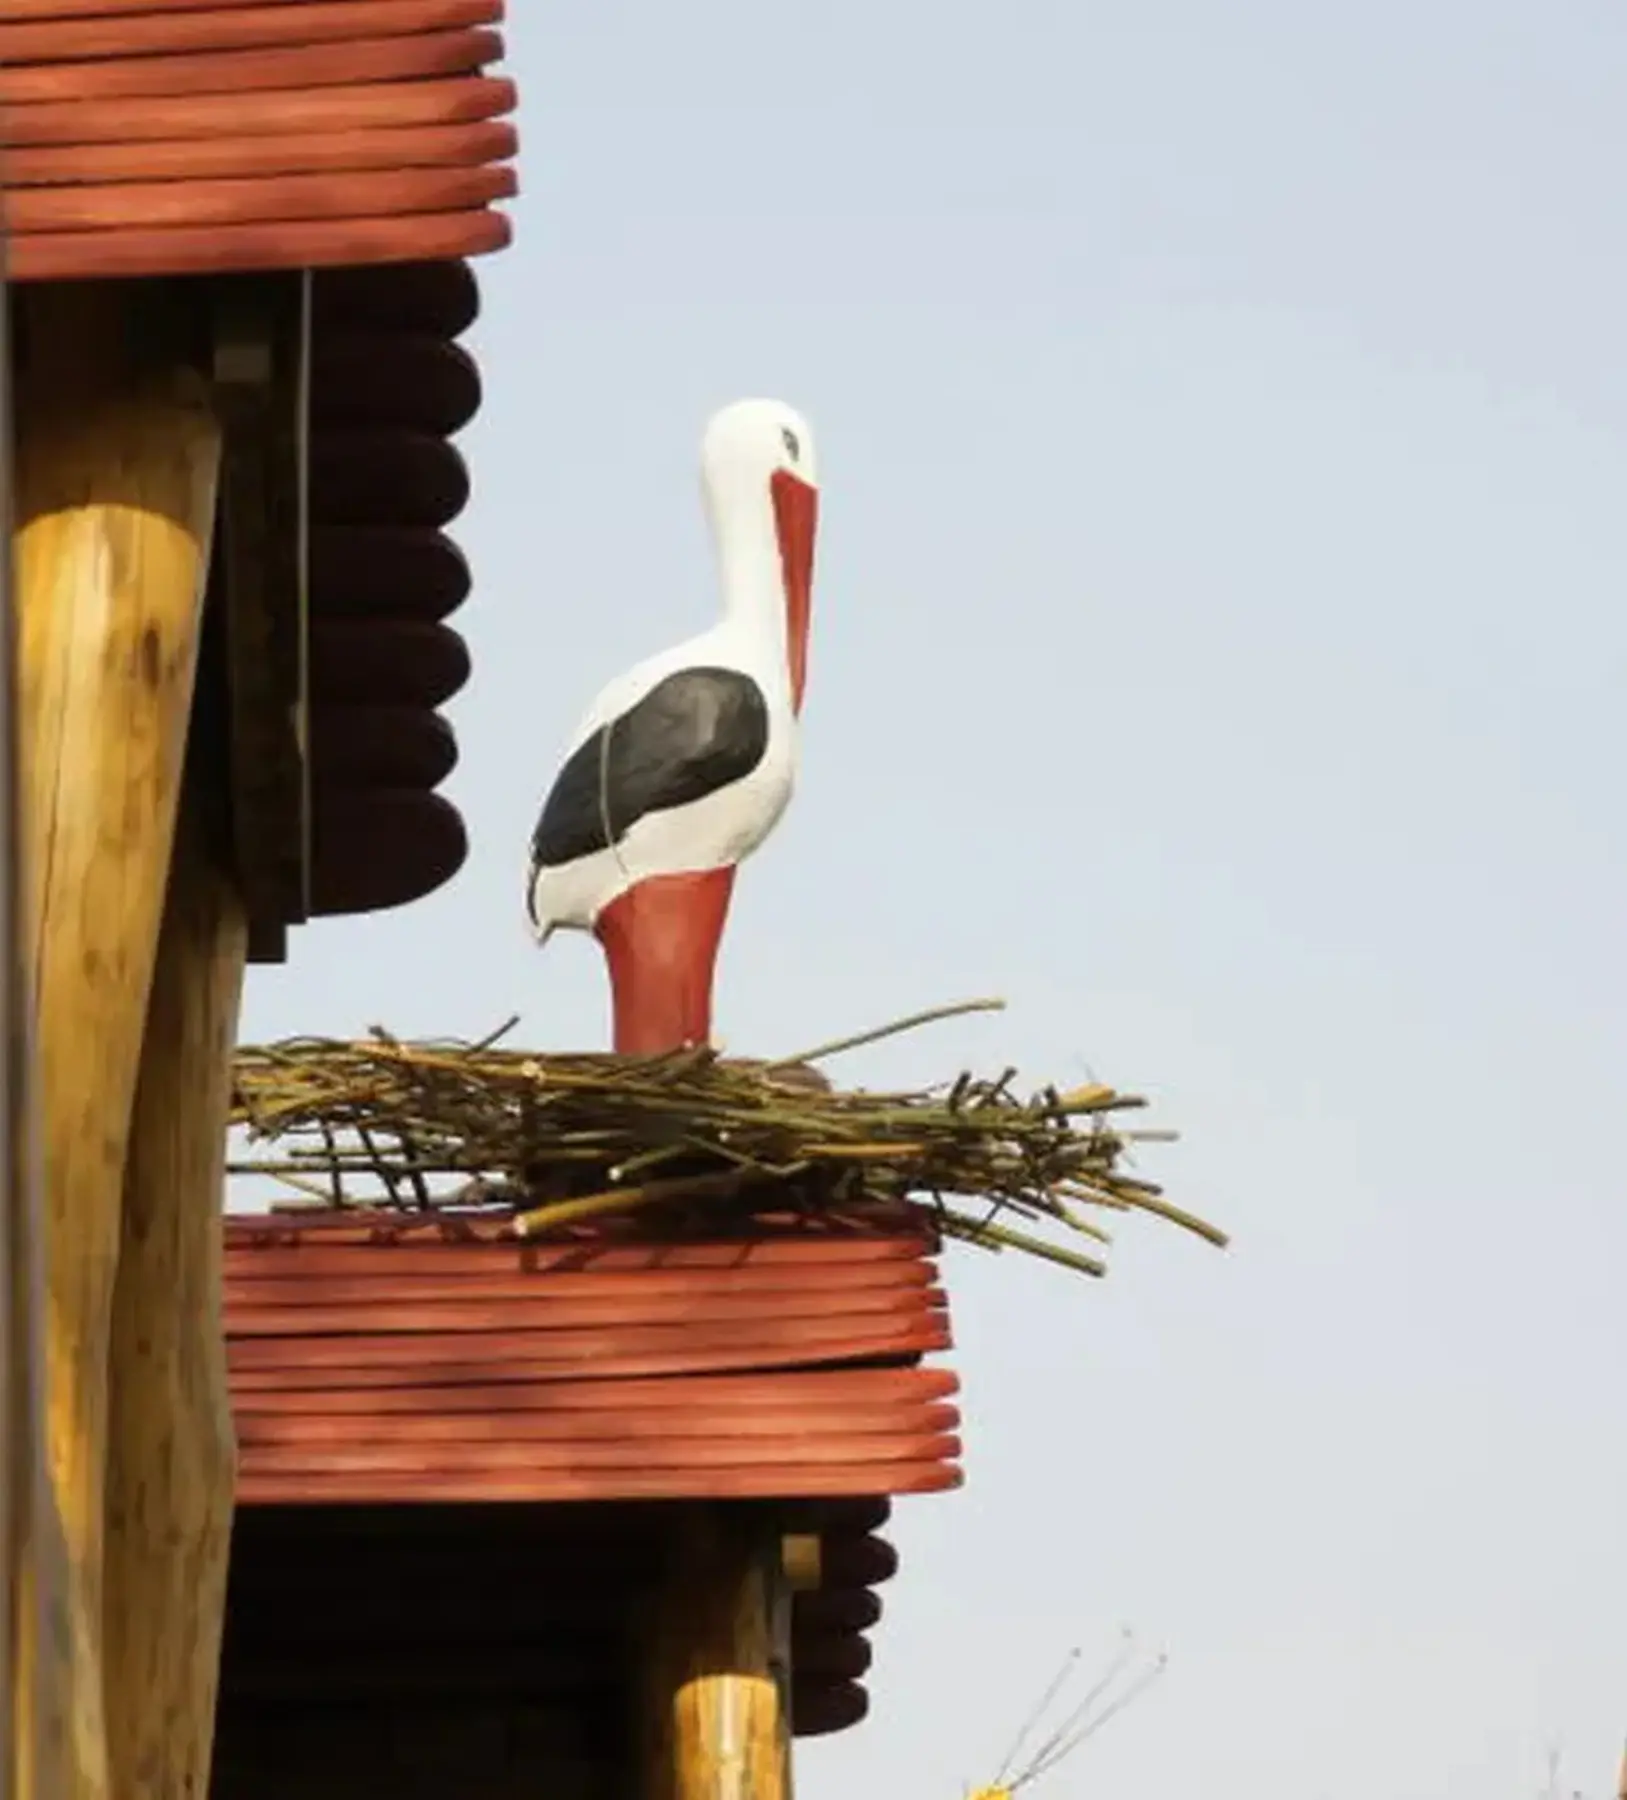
391,1363
364,140
164,137
421,1406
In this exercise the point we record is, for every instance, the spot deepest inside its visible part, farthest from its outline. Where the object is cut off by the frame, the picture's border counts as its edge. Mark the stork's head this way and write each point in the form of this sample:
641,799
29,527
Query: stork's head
758,456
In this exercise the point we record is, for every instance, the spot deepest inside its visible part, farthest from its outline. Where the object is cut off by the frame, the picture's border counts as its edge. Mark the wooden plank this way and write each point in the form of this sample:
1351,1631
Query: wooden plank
424,1282
114,124
116,474
278,244
146,32
363,1253
356,1351
784,1390
666,1425
297,153
135,206
776,1482
170,1456
639,1454
431,1322
242,71
795,1350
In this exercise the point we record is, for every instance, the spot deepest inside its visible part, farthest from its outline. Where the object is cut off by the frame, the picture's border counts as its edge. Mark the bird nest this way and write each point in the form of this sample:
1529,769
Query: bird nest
555,1141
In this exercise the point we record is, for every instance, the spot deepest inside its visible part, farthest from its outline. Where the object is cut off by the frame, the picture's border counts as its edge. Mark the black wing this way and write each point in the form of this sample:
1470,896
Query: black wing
691,734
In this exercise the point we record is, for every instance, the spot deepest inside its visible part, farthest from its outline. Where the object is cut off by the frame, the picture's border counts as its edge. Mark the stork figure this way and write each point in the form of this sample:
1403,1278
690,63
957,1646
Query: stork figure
683,766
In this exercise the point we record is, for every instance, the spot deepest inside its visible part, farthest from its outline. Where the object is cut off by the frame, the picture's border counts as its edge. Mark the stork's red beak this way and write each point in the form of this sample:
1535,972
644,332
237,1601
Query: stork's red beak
796,513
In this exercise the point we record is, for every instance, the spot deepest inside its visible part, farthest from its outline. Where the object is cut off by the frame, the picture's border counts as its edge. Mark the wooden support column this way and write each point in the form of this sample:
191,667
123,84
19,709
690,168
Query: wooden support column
117,460
34,1668
170,1446
717,1676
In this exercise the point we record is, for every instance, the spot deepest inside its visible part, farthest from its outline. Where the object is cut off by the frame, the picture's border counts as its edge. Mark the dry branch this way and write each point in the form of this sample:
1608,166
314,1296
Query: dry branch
559,1139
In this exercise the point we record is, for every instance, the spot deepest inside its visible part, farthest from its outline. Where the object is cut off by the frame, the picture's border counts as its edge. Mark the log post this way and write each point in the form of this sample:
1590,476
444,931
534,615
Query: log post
117,459
717,1676
34,1667
170,1444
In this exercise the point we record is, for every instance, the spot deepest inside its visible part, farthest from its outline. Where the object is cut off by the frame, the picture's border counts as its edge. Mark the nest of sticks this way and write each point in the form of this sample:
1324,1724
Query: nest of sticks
557,1140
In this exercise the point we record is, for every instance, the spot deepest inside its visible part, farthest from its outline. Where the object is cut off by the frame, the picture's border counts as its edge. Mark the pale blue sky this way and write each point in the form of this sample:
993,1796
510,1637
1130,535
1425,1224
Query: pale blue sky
1219,651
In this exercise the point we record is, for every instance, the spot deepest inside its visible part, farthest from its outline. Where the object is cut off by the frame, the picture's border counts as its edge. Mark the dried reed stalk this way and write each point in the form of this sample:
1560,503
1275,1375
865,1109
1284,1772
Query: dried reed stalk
559,1139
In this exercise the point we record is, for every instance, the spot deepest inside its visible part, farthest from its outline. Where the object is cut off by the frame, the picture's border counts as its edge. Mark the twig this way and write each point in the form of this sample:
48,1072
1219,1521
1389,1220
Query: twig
929,1017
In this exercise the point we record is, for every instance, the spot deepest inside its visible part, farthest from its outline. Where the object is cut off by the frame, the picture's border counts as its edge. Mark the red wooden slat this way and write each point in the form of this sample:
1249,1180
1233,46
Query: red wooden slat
653,1484
667,1426
148,33
332,1254
104,9
137,206
120,125
311,243
426,1281
771,1330
240,71
541,1460
781,1390
433,1322
917,1338
341,152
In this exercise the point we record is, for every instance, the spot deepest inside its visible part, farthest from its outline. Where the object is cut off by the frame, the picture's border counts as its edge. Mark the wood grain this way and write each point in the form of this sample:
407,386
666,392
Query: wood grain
343,152
761,1395
312,243
118,127
715,1685
170,1453
150,33
35,1663
393,1285
615,1422
135,206
429,1485
116,484
316,65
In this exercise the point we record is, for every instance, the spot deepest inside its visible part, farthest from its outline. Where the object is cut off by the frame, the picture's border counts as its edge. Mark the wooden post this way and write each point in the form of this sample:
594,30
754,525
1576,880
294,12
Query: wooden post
170,1445
117,459
33,1653
717,1676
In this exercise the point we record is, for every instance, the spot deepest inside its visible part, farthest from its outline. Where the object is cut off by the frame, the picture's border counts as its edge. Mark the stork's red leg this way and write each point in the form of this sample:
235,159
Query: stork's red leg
661,940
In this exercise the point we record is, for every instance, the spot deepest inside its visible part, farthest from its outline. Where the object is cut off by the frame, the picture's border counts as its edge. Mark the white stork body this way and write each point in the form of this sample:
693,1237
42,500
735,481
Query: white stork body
716,831
684,765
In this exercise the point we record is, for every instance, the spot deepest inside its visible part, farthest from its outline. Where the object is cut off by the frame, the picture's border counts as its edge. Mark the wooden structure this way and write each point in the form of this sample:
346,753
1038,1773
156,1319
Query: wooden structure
547,1504
234,243
236,240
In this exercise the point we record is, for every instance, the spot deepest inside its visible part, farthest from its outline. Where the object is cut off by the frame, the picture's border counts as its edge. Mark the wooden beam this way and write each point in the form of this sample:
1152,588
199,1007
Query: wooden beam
170,1445
117,461
33,1661
716,1679
260,329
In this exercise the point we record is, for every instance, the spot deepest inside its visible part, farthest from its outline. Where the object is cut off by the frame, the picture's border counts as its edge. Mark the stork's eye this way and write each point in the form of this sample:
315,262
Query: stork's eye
792,448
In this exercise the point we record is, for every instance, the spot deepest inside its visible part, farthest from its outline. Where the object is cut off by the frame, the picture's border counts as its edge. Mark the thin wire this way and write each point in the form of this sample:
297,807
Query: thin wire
1070,1719
1033,1719
1132,1693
